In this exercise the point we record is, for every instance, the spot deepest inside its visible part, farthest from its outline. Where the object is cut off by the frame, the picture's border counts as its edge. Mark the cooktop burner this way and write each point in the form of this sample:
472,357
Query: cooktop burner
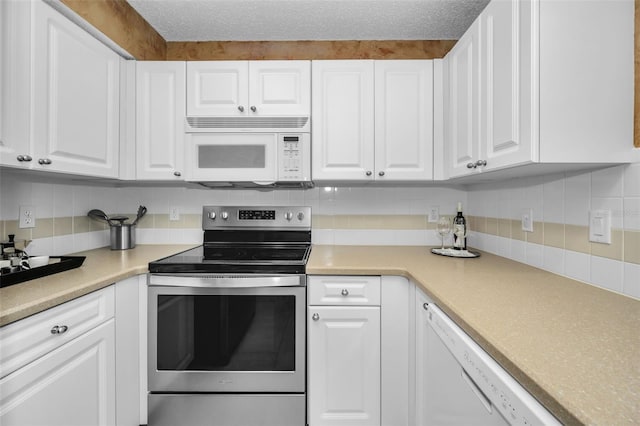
247,240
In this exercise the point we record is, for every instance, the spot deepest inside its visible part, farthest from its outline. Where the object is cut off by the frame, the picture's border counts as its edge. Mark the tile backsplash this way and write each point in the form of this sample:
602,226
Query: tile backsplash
364,215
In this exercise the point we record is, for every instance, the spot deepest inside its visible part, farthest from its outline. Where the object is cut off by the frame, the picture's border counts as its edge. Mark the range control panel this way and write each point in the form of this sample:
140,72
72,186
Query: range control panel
256,217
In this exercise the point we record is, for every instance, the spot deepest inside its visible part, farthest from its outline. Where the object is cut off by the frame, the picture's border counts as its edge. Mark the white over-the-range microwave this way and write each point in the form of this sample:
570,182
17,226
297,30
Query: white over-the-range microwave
241,151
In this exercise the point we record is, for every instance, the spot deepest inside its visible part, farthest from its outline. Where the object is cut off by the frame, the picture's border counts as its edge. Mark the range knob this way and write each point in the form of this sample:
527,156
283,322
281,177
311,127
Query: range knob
212,215
288,215
300,216
225,215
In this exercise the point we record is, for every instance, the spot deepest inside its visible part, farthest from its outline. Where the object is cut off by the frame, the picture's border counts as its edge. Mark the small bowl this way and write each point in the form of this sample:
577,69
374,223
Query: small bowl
36,261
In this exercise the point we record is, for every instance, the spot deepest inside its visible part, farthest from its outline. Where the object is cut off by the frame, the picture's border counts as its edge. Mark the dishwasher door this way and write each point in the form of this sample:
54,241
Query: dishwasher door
450,397
463,385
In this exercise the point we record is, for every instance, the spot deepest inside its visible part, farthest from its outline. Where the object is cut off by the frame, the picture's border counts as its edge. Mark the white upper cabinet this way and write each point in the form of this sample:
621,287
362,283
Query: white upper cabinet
15,89
343,111
542,95
160,112
373,120
248,88
404,120
76,98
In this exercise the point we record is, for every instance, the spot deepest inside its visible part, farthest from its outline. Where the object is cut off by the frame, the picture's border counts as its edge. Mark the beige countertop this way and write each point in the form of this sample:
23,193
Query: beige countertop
573,346
101,268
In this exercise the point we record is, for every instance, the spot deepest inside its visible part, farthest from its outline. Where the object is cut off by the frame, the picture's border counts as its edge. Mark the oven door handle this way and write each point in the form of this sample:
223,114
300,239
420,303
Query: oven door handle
214,281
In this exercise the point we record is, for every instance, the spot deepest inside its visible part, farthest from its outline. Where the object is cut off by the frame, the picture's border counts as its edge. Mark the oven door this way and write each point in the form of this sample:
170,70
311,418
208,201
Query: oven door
226,338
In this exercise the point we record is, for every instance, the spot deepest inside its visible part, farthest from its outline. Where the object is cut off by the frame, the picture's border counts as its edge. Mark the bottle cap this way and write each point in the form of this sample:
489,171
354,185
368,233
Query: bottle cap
459,206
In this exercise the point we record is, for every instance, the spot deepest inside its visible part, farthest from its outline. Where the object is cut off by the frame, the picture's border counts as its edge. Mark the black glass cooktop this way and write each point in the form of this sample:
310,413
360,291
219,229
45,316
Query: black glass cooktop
245,258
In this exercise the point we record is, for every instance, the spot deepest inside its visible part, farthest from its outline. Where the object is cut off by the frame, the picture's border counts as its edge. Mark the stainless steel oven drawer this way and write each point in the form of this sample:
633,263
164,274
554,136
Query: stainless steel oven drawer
226,410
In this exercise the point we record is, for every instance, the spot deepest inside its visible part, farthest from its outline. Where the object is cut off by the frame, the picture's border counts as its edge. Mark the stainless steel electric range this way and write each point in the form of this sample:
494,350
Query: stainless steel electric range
227,321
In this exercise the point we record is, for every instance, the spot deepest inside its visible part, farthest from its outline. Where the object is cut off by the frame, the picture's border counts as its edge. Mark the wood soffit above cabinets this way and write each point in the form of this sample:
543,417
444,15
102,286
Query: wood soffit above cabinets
122,24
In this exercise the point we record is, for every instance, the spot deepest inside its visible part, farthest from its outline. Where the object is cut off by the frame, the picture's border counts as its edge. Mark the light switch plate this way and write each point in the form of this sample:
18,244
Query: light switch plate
434,214
174,213
527,220
600,226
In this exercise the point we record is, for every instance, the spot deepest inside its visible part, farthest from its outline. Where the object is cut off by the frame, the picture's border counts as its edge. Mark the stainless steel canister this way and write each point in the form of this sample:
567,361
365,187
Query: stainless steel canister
123,236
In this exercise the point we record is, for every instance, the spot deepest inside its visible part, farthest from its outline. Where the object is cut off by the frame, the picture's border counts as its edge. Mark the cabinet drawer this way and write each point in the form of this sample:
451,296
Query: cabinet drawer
344,290
30,338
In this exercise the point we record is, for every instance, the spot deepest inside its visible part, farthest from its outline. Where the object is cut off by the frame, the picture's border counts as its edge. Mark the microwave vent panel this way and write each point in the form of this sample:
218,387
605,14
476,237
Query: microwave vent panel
247,122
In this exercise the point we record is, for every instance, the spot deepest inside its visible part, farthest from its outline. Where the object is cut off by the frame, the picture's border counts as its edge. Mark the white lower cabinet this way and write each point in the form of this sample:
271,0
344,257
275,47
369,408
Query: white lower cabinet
73,383
343,350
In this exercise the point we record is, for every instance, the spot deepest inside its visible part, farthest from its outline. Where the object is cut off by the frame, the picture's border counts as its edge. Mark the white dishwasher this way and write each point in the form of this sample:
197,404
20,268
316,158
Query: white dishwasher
465,386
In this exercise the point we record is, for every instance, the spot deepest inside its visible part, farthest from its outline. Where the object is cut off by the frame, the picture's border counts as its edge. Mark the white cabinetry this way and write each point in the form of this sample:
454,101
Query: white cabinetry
60,94
15,90
373,120
524,87
58,367
248,88
343,353
160,112
76,98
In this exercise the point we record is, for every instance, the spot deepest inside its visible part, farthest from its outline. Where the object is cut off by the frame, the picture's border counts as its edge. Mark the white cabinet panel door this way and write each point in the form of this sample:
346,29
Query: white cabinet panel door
217,88
343,120
404,120
280,88
160,114
500,134
15,89
344,365
73,385
462,140
76,98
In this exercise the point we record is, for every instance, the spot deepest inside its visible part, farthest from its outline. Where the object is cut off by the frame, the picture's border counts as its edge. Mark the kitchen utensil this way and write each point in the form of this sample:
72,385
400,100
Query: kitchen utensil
142,210
36,261
98,214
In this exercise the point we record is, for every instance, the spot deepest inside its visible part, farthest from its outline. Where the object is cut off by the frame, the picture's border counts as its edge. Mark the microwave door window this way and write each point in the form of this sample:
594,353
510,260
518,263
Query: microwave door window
232,157
226,333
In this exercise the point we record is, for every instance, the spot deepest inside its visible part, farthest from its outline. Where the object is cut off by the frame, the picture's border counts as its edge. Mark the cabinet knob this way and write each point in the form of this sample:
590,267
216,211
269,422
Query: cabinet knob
59,329
44,161
425,306
344,292
471,165
253,108
240,108
481,163
380,173
26,158
178,174
368,173
315,317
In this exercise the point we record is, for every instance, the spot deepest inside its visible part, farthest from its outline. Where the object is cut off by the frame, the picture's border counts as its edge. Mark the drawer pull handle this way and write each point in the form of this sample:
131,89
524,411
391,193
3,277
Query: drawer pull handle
59,329
345,292
315,317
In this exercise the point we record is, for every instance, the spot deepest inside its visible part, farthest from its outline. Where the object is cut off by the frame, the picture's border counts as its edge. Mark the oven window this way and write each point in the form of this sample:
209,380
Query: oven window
232,157
226,333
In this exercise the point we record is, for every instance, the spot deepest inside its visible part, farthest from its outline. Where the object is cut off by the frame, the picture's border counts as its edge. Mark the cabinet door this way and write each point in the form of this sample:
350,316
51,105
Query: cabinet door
500,87
404,120
76,98
73,385
343,120
280,88
217,88
160,113
344,365
462,133
15,89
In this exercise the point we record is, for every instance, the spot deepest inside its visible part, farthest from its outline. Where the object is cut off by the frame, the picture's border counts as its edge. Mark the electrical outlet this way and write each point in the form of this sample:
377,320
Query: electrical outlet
27,217
527,220
174,213
434,214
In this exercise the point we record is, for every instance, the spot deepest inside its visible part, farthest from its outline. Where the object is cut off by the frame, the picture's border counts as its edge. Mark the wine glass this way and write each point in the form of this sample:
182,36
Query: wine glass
444,228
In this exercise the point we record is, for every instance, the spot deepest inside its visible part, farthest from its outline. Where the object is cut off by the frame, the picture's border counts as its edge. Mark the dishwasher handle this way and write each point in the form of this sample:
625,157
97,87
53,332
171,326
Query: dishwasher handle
477,391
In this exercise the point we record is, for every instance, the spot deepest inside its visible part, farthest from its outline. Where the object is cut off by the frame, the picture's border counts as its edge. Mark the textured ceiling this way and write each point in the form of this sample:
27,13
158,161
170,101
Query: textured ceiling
252,20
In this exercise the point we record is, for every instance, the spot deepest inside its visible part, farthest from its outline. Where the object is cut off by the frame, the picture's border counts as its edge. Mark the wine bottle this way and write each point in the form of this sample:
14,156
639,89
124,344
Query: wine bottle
459,230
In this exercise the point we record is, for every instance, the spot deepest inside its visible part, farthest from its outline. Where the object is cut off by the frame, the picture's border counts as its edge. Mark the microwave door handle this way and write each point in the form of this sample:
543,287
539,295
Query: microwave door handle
210,281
